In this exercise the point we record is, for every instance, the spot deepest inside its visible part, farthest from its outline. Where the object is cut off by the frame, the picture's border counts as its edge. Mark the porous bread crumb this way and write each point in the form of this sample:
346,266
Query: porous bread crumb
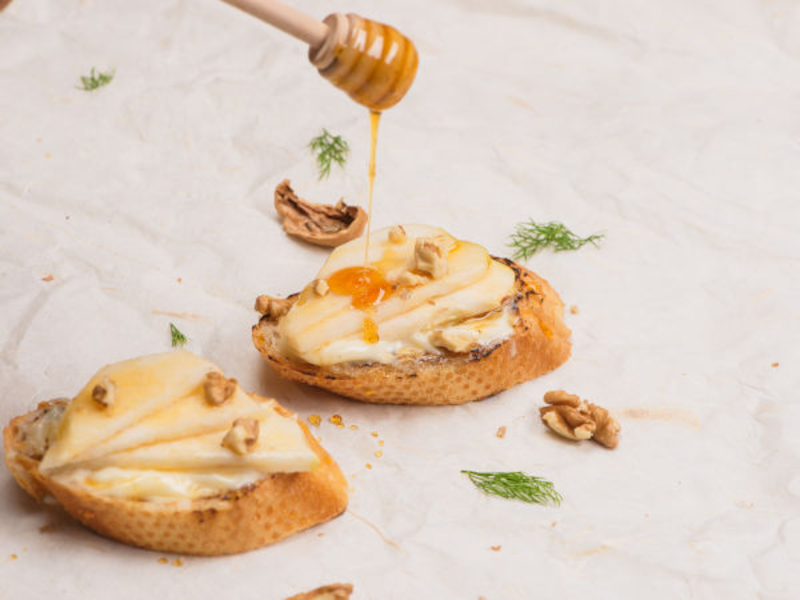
496,548
501,431
315,420
48,278
574,309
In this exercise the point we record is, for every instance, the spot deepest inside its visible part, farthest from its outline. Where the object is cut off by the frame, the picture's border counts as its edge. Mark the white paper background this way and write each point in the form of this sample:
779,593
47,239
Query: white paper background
673,127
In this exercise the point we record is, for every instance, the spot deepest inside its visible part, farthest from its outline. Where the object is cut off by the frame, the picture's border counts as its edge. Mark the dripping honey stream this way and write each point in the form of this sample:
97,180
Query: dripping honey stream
374,121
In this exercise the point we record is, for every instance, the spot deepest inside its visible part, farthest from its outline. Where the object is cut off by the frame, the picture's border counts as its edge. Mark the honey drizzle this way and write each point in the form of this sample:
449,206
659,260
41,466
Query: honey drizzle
374,121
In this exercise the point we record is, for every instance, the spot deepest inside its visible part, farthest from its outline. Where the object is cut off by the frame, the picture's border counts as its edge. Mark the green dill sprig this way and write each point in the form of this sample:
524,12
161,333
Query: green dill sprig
516,485
95,80
178,339
530,237
328,149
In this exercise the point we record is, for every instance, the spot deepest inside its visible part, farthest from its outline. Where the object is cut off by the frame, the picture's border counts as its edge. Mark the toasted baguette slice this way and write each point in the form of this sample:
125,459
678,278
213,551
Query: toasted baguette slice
236,521
540,343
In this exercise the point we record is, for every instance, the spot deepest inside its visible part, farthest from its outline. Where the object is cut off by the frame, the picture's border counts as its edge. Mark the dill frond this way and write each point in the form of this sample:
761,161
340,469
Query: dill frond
328,149
530,237
517,486
95,80
178,339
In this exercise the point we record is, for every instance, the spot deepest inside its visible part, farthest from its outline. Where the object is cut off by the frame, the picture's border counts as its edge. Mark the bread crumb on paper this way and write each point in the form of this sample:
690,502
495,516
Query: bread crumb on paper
501,432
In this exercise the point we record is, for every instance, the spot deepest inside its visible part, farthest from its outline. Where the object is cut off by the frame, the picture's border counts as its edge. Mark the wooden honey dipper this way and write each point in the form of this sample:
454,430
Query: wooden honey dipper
373,63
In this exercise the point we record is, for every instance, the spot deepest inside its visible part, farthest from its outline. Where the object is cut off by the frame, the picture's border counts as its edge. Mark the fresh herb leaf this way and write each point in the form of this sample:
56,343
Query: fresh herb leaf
178,339
95,80
517,486
328,149
530,237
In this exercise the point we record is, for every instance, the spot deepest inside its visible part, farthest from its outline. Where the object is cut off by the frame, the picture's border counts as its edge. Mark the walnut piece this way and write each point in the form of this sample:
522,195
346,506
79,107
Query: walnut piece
320,224
455,340
410,279
430,257
576,419
104,394
320,287
242,437
218,389
397,234
271,307
335,591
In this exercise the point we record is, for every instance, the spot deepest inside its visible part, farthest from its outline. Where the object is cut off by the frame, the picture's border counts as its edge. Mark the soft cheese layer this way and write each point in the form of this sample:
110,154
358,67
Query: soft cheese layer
392,309
159,437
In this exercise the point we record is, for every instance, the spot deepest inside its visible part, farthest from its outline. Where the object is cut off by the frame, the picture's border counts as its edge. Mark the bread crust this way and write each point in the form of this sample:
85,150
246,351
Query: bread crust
236,521
540,343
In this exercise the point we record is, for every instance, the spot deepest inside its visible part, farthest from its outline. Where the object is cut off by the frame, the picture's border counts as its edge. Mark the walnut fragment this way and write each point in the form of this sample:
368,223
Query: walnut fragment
271,307
454,340
242,437
218,389
104,394
320,224
334,591
576,419
430,257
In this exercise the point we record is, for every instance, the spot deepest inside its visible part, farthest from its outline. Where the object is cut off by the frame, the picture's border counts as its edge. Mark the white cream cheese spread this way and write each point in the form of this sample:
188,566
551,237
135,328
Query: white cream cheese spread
148,429
421,292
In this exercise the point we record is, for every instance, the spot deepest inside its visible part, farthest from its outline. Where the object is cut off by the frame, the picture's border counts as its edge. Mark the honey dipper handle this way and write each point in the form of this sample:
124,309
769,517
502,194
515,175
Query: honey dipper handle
287,19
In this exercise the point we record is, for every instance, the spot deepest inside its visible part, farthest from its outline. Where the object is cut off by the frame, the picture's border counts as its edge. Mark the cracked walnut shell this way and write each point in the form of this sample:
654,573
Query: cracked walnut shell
320,224
576,419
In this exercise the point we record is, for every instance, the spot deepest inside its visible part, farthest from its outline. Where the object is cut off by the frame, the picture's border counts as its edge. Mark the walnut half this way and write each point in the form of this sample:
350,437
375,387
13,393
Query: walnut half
576,419
320,224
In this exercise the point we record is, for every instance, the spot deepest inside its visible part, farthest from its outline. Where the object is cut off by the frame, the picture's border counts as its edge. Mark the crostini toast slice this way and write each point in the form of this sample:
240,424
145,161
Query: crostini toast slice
539,344
234,521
